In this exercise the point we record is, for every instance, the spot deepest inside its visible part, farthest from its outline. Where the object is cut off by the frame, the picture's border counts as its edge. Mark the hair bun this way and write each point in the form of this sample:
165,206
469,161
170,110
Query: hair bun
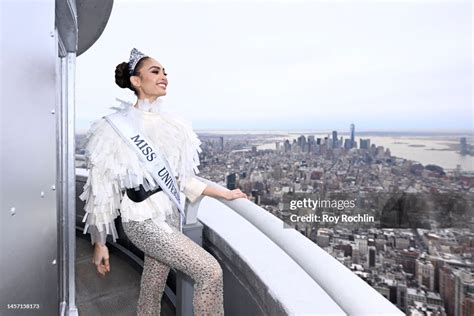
122,76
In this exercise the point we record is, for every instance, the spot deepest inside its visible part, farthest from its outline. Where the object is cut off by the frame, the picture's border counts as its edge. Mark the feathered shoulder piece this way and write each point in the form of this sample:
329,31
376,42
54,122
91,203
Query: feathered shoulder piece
169,134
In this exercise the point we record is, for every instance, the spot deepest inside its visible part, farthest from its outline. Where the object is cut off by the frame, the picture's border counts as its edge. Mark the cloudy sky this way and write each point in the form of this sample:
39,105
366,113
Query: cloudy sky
293,65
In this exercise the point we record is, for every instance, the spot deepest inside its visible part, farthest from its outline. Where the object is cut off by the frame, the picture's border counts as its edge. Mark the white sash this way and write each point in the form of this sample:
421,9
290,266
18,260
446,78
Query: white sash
153,161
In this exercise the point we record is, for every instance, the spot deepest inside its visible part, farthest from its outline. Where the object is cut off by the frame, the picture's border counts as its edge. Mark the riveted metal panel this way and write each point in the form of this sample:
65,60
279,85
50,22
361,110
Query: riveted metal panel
29,246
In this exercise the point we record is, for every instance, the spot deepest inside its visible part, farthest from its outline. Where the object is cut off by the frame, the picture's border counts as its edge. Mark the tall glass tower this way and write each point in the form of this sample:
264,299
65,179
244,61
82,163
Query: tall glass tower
352,135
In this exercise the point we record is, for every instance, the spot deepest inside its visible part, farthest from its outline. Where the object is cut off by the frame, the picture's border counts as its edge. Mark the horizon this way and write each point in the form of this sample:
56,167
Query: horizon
440,132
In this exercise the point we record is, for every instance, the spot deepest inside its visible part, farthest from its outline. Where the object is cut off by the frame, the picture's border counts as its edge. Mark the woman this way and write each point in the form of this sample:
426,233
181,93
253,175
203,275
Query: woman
149,210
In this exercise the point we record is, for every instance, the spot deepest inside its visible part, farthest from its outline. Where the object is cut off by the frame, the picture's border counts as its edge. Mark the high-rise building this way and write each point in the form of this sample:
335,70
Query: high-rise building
364,143
456,287
221,143
302,142
371,260
294,145
311,143
347,143
352,136
425,274
380,152
231,180
447,286
287,146
402,296
362,245
467,307
355,255
407,259
334,139
463,145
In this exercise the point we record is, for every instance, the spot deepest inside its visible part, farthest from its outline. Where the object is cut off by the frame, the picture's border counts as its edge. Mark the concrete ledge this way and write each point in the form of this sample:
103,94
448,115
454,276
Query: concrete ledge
350,292
257,266
241,284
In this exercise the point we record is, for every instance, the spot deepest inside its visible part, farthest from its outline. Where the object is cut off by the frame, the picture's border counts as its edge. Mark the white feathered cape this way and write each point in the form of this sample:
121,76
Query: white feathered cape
114,166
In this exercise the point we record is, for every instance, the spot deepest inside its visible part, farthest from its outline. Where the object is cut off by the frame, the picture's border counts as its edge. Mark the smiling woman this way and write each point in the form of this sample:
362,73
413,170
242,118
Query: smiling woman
148,75
152,156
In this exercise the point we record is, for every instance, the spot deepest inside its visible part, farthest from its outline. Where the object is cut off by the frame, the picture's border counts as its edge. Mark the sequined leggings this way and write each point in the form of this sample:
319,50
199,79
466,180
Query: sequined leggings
162,251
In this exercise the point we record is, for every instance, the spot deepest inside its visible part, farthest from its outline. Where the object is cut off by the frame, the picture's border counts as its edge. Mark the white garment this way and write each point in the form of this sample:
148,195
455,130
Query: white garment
114,166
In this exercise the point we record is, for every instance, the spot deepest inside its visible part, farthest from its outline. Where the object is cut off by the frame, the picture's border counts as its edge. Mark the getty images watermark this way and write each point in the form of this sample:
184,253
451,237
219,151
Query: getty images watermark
339,205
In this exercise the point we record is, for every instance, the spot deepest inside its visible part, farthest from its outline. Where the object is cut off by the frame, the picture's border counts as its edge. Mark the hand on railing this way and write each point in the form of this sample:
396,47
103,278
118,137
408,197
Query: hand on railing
217,192
235,194
101,258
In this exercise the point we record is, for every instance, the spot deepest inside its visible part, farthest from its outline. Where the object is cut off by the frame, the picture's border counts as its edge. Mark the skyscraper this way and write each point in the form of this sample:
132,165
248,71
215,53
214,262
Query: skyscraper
364,143
347,143
371,257
311,143
221,143
287,146
352,135
302,142
463,145
334,139
231,181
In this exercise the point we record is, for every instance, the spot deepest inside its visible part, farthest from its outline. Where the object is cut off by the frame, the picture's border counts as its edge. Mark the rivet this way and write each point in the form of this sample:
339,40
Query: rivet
53,187
12,211
51,34
53,111
42,194
53,262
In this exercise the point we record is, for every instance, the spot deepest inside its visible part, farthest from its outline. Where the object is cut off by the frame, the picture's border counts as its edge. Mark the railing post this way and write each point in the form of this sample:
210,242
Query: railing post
184,284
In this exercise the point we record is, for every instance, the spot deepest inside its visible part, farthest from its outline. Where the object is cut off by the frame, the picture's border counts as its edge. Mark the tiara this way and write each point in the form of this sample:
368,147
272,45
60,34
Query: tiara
135,56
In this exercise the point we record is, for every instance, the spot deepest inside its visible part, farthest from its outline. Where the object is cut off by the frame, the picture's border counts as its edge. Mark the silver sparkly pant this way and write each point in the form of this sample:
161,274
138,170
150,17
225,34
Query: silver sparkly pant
162,251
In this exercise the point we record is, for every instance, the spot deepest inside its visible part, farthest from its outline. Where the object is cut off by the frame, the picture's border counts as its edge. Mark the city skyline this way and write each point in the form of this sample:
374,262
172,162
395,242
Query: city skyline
301,65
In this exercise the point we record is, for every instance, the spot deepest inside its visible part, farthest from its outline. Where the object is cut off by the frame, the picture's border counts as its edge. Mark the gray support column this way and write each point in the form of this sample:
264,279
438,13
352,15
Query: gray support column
67,181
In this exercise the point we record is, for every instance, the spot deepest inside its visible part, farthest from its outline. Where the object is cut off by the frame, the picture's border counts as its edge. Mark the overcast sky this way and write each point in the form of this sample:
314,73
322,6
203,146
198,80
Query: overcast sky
292,65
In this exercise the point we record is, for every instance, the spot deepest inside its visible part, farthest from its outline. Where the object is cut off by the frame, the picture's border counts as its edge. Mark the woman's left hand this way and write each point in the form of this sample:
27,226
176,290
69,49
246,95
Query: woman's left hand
235,194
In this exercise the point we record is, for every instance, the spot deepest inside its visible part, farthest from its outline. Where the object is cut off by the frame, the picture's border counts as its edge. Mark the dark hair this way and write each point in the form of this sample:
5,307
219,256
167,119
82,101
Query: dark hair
122,74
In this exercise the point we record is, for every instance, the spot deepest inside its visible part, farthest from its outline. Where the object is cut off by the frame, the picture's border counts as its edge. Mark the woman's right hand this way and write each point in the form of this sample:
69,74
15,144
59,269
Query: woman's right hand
101,258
